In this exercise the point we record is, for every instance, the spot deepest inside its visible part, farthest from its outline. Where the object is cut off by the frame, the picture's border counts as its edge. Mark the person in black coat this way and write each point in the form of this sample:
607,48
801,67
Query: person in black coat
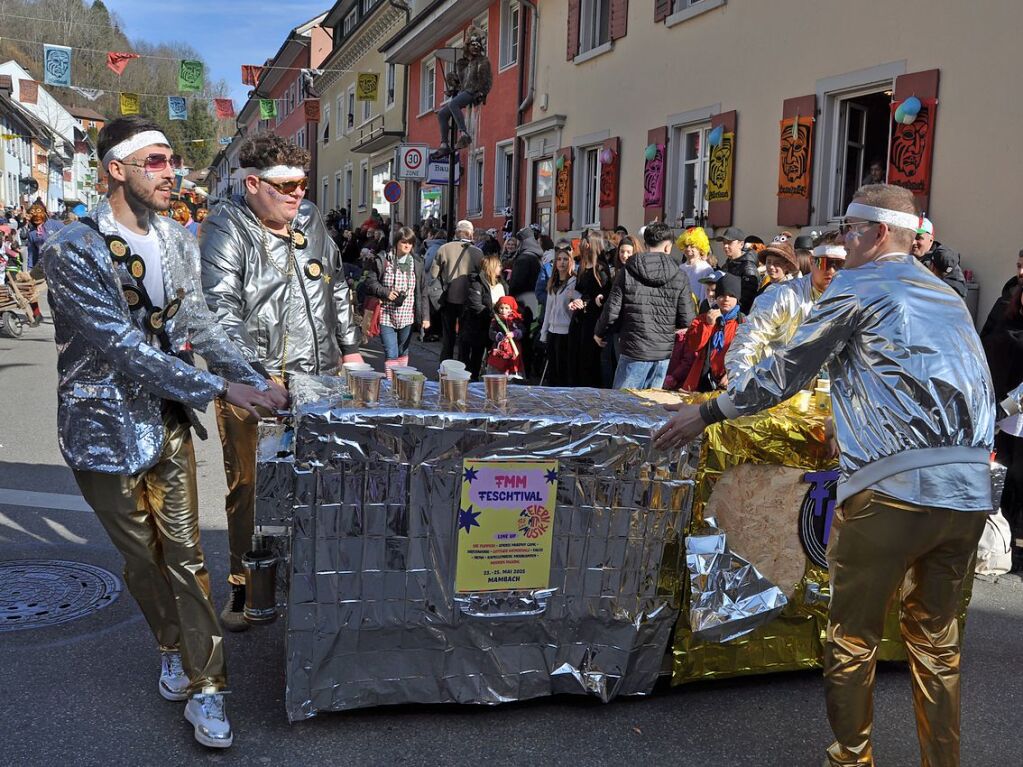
994,318
486,287
593,283
742,262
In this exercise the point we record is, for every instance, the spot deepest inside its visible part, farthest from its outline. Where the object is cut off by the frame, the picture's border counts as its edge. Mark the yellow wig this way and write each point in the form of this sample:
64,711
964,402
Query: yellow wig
694,235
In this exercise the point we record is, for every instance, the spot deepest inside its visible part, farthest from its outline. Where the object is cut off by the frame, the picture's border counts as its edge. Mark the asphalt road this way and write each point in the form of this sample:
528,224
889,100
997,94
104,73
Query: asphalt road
84,693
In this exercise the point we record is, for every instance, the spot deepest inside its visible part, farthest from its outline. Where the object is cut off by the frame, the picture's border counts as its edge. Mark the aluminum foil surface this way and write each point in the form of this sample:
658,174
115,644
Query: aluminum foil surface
372,615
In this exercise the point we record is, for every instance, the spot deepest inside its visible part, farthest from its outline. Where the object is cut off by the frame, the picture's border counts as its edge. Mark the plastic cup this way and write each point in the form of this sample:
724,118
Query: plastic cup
454,387
450,366
802,400
409,387
353,367
497,388
822,397
366,388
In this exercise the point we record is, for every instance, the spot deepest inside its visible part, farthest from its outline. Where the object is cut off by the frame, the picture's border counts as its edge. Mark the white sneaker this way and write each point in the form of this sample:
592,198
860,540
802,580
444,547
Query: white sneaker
173,679
206,711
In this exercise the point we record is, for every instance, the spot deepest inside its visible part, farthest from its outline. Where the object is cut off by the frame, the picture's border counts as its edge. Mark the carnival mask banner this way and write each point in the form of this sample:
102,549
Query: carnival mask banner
653,177
719,176
131,103
267,109
563,188
794,157
609,180
177,108
251,74
116,62
367,87
224,108
909,159
505,525
312,110
56,65
28,91
190,76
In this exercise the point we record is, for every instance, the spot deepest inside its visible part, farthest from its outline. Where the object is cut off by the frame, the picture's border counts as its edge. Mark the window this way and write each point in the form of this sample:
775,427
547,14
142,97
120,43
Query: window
367,110
348,188
428,86
300,138
350,21
594,24
589,186
351,109
390,85
689,201
323,197
338,199
363,183
367,6
510,16
326,122
381,175
503,174
340,130
678,6
476,183
860,131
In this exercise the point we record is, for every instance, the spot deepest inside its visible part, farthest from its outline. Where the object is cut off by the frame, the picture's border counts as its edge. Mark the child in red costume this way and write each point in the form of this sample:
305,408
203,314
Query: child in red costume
506,332
702,363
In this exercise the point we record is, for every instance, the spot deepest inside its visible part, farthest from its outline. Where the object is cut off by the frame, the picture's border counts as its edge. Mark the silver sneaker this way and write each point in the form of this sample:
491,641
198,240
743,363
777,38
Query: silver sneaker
173,679
207,713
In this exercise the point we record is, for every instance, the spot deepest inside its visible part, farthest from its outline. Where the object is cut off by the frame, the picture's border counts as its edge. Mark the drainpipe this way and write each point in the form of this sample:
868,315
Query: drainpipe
402,5
518,216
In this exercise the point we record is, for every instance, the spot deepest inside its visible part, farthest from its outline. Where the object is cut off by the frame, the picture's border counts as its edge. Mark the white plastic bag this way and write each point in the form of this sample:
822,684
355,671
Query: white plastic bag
994,552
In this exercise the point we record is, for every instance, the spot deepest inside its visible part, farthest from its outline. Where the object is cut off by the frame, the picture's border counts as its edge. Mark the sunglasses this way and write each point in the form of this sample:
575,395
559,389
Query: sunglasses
824,263
288,187
155,163
845,229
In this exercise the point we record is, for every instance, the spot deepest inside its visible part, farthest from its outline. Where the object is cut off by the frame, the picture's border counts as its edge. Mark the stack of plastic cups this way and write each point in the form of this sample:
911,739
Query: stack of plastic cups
366,387
450,366
349,368
408,386
454,387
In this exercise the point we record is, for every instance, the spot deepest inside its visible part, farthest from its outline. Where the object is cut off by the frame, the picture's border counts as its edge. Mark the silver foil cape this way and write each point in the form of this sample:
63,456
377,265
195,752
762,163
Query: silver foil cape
261,311
729,596
369,498
113,377
772,321
910,384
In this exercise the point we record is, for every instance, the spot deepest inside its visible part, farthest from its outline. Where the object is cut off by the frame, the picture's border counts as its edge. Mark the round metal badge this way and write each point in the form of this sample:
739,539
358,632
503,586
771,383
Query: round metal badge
118,248
314,269
299,239
133,296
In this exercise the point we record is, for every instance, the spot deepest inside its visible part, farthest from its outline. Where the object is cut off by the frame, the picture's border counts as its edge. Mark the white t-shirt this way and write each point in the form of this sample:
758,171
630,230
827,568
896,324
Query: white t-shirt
147,246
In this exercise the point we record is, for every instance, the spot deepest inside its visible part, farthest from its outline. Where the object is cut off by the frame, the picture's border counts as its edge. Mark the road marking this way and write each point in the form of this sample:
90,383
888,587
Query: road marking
56,501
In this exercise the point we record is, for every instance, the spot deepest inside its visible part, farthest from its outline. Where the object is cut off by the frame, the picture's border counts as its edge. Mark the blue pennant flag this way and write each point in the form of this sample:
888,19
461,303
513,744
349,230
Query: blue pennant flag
177,108
57,65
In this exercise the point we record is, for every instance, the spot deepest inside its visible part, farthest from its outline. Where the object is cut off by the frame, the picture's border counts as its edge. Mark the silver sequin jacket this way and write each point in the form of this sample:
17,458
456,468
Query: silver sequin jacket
909,381
113,377
249,294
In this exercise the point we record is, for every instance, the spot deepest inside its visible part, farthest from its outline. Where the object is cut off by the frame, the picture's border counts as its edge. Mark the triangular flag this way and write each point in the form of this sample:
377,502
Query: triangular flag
312,110
190,77
267,109
225,108
177,108
90,93
251,74
116,62
57,65
130,103
28,91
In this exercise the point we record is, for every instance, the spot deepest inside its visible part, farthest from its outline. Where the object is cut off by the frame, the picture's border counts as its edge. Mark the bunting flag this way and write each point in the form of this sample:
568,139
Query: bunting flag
190,76
90,93
177,108
225,108
225,141
116,62
130,103
367,87
28,91
56,65
267,109
312,110
251,74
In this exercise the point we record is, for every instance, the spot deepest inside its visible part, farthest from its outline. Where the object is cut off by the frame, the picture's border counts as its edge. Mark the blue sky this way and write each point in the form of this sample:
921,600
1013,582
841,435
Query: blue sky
227,33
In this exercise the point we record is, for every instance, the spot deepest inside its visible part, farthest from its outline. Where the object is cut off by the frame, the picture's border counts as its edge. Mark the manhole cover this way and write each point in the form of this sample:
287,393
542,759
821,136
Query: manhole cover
44,592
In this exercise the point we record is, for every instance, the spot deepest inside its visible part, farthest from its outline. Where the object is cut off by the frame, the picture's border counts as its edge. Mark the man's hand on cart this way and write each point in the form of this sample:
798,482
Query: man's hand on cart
681,429
249,398
281,392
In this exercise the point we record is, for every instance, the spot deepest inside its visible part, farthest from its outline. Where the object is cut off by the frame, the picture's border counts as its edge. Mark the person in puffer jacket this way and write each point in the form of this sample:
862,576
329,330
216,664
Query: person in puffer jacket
702,364
649,301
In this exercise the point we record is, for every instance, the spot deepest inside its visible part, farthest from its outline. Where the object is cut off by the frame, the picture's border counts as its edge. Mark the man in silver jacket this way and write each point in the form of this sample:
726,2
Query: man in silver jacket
914,419
126,299
273,277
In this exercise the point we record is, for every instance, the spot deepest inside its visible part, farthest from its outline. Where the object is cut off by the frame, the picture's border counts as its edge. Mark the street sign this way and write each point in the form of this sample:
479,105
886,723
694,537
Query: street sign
392,191
437,172
411,161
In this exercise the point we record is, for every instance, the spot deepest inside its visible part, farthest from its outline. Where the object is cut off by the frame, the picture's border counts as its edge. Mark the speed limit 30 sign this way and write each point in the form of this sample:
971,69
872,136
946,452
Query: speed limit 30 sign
412,161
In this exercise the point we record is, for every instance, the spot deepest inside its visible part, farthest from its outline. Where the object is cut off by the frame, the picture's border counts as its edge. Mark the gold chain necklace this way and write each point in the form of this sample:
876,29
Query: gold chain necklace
287,272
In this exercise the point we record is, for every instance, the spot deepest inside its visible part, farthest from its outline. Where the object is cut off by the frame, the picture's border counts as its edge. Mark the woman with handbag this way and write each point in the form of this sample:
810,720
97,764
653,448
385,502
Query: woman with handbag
395,277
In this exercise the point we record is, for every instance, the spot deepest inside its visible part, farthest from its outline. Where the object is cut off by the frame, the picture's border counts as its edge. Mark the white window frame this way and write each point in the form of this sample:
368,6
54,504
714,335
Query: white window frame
587,185
340,131
367,6
511,19
350,107
428,86
364,182
325,132
683,10
677,170
337,191
477,183
323,200
390,86
502,183
367,111
351,22
384,170
348,190
590,33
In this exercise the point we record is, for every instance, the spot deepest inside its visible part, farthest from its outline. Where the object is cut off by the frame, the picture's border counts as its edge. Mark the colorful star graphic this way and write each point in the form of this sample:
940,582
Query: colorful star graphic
471,474
552,476
467,519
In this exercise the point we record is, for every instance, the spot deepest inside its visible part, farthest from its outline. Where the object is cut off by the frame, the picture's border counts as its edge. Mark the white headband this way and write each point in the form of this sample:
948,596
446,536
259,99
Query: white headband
133,144
883,215
277,171
829,251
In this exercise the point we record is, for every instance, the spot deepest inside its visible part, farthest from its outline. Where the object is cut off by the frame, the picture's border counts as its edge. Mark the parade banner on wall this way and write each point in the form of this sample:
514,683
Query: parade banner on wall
794,157
653,178
267,109
563,188
609,182
177,108
909,160
190,76
505,525
130,103
312,110
116,62
28,91
251,74
719,177
56,65
224,108
367,87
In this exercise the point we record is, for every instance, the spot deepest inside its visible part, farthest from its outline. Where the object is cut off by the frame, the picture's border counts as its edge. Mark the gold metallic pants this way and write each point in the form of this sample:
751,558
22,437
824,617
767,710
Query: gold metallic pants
153,520
877,545
239,439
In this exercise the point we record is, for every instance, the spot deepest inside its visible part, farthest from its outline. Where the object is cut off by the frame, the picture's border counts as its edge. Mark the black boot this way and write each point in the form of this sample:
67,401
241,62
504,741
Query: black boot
233,614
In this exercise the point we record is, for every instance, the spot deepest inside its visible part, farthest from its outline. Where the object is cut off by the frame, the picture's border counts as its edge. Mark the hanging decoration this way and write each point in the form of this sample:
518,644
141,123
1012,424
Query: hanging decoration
177,108
251,74
56,65
907,112
650,152
608,178
563,185
653,176
794,157
190,76
130,103
367,87
28,91
312,110
715,137
116,62
90,93
719,175
267,109
224,108
912,144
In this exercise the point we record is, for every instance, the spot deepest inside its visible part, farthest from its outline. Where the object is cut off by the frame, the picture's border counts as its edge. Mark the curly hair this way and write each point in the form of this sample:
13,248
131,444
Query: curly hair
267,149
695,236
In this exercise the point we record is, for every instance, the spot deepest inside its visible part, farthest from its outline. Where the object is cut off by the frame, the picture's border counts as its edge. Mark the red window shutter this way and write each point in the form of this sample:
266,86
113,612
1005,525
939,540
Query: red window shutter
609,175
720,211
796,211
915,143
563,190
573,29
619,18
662,9
657,137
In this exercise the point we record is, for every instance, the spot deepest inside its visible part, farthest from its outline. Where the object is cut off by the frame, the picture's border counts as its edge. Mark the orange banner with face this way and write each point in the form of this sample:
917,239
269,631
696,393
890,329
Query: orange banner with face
795,154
